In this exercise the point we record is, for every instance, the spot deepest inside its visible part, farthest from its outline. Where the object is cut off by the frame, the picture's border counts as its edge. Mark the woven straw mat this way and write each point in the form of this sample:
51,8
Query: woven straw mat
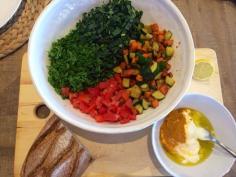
17,31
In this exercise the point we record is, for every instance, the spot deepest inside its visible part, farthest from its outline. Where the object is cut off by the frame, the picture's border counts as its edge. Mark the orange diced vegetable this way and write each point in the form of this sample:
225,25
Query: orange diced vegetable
168,66
139,77
168,42
132,82
160,59
125,52
123,65
134,59
161,32
130,72
155,103
147,94
146,55
164,89
153,83
161,38
135,45
155,27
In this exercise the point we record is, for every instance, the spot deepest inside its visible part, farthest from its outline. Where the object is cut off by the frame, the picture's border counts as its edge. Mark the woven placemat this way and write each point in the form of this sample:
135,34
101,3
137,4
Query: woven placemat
17,31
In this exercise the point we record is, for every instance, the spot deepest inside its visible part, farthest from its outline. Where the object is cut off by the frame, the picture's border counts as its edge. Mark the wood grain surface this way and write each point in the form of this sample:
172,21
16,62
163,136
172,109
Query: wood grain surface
112,154
213,25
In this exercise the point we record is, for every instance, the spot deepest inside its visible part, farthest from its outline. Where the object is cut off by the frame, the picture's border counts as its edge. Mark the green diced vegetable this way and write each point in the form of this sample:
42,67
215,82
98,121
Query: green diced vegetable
142,60
136,101
126,82
160,67
158,95
155,46
145,104
147,45
135,91
170,81
139,108
158,76
143,37
168,35
155,53
160,82
131,55
145,31
149,36
169,51
147,73
117,69
144,87
126,59
154,66
148,28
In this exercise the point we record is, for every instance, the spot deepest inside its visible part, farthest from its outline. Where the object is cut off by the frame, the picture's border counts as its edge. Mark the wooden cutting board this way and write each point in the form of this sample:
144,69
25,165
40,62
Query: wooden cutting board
126,154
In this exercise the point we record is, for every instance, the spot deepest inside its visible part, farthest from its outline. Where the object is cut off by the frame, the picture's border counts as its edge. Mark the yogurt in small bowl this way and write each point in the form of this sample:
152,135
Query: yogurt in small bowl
219,121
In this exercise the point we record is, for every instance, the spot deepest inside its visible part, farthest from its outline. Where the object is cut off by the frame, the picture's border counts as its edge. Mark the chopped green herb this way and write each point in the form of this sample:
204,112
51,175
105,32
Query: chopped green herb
87,55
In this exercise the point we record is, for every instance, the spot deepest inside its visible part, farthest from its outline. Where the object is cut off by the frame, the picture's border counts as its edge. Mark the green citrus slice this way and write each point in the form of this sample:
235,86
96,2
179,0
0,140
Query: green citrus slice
203,69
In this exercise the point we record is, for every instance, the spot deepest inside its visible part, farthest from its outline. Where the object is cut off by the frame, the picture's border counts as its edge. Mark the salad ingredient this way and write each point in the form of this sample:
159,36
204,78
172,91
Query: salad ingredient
145,69
106,102
87,55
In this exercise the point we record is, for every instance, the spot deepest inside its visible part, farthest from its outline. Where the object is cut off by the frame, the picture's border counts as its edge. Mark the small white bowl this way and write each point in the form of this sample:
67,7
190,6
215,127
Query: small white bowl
61,16
219,162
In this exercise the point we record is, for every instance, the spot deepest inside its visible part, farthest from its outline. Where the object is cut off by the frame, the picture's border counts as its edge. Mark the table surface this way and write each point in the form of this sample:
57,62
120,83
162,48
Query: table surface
213,25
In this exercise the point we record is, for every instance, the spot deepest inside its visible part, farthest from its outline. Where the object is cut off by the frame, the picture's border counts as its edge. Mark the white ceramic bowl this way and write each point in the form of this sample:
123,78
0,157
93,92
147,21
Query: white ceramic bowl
219,162
61,15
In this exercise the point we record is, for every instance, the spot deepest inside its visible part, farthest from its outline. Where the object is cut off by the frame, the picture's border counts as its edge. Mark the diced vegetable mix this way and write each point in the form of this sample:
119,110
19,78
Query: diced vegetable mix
113,68
145,69
108,101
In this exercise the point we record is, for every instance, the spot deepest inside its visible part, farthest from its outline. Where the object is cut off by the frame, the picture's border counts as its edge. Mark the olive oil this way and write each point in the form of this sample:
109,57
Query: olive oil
206,147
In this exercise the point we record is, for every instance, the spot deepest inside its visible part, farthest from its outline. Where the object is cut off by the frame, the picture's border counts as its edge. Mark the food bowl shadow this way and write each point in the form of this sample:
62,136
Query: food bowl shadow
107,138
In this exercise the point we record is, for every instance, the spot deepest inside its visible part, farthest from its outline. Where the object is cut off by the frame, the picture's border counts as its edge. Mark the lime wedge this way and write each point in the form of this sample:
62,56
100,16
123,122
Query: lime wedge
203,69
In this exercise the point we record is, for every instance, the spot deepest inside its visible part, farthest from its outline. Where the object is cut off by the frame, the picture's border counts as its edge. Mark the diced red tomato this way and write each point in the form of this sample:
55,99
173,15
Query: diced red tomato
99,118
111,117
94,91
65,91
108,101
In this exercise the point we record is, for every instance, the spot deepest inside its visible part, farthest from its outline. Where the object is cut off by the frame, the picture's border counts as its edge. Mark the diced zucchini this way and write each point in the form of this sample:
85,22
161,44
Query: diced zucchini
145,30
126,59
149,36
136,101
131,55
117,69
155,46
135,91
144,87
155,53
126,82
139,108
147,45
168,35
135,72
158,95
154,66
169,81
148,28
142,37
169,51
158,76
145,104
160,82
